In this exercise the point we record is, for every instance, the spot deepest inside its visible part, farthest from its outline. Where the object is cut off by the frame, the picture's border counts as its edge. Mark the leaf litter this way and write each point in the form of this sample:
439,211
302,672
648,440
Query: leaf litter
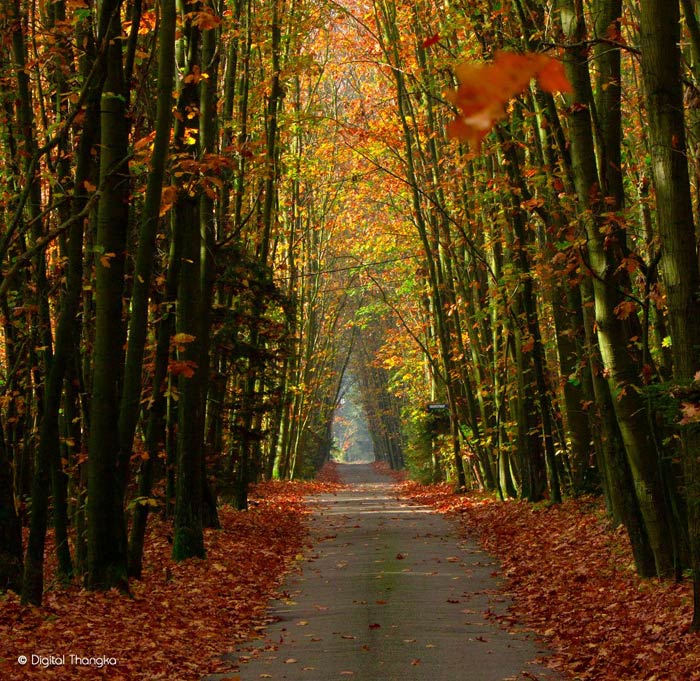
181,618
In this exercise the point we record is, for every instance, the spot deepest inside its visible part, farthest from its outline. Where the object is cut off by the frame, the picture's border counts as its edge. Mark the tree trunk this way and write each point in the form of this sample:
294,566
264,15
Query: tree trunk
156,424
150,218
188,536
608,285
105,505
10,527
131,398
661,59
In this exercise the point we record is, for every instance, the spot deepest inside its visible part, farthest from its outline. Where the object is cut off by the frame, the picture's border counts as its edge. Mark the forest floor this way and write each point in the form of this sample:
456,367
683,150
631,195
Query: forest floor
571,578
181,617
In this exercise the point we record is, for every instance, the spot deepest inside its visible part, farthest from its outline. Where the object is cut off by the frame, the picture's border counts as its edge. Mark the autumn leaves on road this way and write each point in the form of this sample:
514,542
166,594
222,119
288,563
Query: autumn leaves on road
572,580
389,592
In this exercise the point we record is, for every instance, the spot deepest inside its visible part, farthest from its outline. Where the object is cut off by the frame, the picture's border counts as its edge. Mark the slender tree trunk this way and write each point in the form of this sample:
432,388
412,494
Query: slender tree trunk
131,397
156,423
105,509
386,12
208,228
531,318
188,537
149,218
40,330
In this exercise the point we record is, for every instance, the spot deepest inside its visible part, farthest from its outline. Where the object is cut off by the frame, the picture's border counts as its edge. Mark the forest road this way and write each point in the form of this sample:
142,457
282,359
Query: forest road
390,592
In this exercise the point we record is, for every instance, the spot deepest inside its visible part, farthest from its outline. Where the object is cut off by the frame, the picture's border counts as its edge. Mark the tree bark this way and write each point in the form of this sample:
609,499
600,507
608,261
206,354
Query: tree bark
608,286
10,527
150,218
105,505
188,536
661,60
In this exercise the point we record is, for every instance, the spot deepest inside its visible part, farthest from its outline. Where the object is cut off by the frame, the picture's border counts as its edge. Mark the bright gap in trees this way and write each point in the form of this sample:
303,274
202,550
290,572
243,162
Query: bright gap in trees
352,442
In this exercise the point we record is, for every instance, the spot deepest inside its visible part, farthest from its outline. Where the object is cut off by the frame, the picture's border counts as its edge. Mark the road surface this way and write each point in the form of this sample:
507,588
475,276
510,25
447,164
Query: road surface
390,592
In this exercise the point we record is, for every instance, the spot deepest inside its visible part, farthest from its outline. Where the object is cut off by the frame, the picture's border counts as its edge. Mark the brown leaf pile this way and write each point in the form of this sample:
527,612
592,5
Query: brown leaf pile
182,617
572,580
329,475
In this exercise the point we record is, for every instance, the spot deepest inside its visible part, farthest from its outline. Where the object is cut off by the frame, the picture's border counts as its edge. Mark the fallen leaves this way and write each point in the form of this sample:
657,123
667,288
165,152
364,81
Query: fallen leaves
485,89
174,627
572,580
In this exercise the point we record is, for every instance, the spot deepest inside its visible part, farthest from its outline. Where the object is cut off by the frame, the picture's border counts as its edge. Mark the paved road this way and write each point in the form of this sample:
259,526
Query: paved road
389,593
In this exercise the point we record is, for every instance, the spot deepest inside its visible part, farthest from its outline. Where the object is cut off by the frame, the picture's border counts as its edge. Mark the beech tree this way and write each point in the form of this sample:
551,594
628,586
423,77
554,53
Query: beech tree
105,511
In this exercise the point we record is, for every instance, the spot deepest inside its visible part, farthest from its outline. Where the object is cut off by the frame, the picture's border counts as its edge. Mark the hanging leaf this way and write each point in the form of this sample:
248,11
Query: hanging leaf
485,89
205,20
167,199
625,309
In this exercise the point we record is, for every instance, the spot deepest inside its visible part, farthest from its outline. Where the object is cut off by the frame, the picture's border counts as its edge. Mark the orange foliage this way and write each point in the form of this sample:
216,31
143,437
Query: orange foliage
330,477
385,469
485,89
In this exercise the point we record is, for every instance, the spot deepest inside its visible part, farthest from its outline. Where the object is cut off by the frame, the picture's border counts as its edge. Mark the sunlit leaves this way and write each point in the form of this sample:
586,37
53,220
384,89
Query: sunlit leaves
690,413
204,19
167,198
625,309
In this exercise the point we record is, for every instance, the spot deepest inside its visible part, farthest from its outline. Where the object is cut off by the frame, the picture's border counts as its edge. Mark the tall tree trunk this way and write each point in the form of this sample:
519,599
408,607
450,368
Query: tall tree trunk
105,505
150,218
386,17
131,397
188,536
208,228
40,329
608,286
156,423
661,59
531,317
